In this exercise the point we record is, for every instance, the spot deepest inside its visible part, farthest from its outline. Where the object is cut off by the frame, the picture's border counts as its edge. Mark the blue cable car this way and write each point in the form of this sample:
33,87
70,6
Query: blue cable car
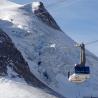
82,72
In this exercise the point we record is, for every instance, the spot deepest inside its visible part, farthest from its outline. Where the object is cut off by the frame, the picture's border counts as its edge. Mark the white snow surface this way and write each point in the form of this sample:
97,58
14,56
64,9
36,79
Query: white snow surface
31,36
12,89
35,4
7,4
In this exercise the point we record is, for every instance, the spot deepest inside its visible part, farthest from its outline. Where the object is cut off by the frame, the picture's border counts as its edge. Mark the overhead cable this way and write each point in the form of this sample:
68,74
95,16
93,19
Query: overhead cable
56,3
92,42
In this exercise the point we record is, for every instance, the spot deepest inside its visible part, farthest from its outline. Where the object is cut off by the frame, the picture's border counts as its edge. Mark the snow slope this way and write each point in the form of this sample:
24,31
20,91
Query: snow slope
45,50
14,67
7,4
10,89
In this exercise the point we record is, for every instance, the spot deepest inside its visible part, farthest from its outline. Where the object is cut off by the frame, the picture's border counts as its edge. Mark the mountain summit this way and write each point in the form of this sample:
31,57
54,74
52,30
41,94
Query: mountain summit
35,51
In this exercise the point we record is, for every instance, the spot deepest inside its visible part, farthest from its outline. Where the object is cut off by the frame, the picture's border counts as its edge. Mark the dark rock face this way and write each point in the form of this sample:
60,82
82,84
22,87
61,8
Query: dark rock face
44,16
11,57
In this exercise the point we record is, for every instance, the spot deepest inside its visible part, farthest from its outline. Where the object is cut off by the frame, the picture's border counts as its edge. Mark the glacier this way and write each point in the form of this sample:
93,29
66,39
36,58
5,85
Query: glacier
49,52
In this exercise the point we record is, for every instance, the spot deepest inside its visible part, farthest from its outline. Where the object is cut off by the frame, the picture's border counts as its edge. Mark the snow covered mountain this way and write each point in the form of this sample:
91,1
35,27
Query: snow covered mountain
20,90
33,49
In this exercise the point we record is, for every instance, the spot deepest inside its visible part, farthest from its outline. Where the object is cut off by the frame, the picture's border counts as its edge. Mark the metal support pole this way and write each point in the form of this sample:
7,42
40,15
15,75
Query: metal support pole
82,55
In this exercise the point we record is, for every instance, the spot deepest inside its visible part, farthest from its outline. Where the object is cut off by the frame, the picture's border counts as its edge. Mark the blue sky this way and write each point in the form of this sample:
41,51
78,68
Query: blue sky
78,18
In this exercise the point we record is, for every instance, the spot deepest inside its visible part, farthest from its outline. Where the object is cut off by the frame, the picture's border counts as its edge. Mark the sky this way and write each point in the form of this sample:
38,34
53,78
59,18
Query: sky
77,18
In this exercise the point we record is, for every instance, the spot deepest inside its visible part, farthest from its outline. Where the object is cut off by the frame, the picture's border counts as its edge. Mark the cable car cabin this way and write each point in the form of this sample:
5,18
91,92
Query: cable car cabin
82,70
81,74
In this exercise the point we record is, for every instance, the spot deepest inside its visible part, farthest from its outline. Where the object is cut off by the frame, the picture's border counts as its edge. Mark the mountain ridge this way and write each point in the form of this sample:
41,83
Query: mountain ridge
42,47
21,69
